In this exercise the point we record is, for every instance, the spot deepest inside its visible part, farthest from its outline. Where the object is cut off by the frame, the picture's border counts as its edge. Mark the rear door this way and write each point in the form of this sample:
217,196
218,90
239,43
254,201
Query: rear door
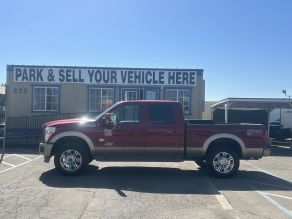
163,135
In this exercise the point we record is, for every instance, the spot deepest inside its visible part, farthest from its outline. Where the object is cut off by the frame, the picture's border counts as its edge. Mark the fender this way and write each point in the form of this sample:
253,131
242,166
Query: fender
73,134
224,135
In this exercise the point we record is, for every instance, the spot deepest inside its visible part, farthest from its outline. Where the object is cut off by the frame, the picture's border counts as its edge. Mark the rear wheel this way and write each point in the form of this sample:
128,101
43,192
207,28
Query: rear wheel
223,162
71,158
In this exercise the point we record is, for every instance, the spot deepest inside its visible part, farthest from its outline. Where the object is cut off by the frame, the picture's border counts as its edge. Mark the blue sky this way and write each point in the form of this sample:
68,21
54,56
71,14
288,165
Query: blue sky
244,46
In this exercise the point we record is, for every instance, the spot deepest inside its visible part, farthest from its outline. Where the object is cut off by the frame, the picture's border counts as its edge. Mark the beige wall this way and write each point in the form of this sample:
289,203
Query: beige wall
74,97
207,113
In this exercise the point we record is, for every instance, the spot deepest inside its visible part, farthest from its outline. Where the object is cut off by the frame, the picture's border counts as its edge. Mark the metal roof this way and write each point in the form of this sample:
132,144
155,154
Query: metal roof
254,103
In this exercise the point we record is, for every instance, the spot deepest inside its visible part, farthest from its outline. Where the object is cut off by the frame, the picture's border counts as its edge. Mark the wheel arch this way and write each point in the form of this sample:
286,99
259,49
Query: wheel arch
72,136
225,138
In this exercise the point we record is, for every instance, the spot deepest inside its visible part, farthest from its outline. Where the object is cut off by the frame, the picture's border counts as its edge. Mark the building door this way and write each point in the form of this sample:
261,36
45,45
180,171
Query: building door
152,94
130,94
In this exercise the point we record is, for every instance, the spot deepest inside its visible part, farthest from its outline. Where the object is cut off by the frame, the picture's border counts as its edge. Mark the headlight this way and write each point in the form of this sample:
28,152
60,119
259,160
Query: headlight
48,132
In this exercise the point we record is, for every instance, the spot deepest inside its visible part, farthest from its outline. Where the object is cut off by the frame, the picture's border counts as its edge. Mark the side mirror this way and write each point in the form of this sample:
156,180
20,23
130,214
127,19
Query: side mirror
107,121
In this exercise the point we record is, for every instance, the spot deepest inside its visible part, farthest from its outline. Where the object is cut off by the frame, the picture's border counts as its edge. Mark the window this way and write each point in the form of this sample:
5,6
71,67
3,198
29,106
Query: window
45,99
131,95
161,113
181,95
126,113
100,99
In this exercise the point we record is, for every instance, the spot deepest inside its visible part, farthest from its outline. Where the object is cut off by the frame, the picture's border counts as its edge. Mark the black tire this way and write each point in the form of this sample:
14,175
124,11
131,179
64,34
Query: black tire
71,158
201,163
228,165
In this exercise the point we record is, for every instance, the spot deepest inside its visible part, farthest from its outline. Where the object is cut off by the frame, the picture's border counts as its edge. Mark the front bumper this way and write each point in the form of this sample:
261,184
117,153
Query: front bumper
266,152
46,149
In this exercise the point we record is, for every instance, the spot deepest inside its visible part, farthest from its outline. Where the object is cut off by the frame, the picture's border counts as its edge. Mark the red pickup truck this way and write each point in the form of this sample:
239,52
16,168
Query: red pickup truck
150,131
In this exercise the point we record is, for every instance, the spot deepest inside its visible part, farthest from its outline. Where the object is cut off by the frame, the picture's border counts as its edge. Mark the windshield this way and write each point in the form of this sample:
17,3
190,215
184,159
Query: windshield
107,110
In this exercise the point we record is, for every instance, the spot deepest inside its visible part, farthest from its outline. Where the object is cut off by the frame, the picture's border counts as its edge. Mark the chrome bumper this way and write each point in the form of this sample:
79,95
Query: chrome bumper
46,149
266,152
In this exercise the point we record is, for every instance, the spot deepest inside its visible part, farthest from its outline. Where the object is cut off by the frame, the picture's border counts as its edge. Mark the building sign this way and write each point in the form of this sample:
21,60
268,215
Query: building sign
105,76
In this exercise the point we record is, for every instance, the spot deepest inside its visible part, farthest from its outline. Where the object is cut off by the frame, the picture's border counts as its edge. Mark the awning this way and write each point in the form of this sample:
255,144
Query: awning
254,103
267,104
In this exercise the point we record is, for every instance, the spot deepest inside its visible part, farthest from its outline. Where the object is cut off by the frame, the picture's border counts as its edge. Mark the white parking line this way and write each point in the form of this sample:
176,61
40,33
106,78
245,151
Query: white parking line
9,155
223,202
280,196
26,158
273,202
11,168
265,171
220,197
266,195
9,164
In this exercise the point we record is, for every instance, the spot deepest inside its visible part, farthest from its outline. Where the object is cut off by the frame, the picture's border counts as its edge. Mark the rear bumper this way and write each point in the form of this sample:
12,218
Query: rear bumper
46,149
266,152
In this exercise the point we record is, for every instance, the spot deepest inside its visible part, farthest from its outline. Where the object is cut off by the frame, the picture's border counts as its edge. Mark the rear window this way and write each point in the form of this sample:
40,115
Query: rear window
161,113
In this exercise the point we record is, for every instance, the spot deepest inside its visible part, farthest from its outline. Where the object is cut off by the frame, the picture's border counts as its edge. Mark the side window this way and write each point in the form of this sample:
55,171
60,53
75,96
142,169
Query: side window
161,113
126,113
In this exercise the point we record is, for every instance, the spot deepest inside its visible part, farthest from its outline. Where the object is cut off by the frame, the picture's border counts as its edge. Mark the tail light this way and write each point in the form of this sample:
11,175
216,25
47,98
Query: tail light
266,137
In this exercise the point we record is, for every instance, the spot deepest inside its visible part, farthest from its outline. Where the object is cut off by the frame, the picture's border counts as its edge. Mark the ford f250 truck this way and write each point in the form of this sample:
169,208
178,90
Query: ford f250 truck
150,131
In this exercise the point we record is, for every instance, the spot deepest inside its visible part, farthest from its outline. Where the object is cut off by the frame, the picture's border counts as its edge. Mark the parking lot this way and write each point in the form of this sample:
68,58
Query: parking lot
31,188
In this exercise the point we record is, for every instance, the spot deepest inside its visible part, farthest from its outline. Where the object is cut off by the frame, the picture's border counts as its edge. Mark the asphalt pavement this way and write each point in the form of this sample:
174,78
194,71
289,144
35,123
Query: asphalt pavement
31,188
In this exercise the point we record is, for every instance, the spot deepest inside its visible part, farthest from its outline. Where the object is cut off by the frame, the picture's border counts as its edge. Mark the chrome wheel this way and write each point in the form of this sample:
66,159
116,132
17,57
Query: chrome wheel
71,160
223,162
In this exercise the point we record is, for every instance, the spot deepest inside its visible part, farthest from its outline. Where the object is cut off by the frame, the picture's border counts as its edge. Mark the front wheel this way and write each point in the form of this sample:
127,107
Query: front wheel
71,158
223,162
201,163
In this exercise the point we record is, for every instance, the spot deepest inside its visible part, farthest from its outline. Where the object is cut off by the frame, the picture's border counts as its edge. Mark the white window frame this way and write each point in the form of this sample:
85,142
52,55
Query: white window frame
46,91
101,96
177,95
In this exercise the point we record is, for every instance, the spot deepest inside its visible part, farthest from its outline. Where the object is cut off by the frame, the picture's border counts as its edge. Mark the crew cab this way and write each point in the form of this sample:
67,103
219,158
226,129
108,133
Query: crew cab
150,131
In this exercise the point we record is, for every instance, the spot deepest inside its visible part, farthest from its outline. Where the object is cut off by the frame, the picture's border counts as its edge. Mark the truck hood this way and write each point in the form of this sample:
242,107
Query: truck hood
68,122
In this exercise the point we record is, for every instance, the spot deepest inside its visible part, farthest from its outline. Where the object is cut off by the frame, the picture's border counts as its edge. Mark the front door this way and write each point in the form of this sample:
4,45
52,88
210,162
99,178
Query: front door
125,136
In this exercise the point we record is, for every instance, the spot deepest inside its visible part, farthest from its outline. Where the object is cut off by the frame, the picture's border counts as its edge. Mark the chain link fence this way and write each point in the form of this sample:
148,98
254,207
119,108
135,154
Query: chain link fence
26,130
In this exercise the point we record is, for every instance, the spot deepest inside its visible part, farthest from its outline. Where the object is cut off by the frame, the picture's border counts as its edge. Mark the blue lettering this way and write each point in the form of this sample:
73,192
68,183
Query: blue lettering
193,78
98,76
137,77
31,74
80,79
178,77
171,77
105,76
185,79
68,75
147,77
114,77
39,75
18,73
155,80
75,79
130,77
90,73
61,75
161,77
124,76
24,75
